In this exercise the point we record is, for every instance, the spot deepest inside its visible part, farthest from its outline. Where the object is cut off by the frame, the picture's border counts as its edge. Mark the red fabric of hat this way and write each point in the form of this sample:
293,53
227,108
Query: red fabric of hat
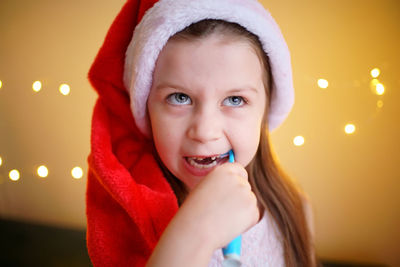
129,202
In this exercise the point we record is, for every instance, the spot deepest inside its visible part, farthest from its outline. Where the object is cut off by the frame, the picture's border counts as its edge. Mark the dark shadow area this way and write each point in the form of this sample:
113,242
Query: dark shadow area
27,244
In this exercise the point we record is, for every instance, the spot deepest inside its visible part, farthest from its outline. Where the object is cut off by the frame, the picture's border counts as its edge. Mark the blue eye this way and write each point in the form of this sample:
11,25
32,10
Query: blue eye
234,101
179,99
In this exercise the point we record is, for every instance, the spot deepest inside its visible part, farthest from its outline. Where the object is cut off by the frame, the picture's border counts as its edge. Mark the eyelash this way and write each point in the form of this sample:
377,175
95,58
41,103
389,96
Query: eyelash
174,99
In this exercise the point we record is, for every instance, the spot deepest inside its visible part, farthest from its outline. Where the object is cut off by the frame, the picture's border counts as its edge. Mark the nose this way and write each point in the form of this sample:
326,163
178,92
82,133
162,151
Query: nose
205,126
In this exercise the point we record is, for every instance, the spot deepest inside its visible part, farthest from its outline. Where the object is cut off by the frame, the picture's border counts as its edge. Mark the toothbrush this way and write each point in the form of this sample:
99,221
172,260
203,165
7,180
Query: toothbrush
232,250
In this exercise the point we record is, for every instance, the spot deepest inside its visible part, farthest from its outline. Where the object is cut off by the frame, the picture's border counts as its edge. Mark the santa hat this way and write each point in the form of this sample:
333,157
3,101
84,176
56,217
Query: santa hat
167,17
129,202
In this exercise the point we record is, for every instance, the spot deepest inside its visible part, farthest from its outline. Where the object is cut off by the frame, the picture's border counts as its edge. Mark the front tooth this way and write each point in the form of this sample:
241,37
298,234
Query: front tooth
213,158
201,166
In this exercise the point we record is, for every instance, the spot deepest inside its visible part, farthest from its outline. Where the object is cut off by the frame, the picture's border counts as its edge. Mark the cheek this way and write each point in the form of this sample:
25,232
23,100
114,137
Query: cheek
167,137
245,140
162,135
164,144
159,131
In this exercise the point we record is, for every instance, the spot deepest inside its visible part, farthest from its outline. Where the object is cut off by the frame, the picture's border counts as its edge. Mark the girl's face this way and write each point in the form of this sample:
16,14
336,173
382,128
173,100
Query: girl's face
207,97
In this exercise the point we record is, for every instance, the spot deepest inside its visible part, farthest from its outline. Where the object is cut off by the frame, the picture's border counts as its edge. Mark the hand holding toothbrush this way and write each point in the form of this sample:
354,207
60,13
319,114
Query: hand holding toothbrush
228,193
218,209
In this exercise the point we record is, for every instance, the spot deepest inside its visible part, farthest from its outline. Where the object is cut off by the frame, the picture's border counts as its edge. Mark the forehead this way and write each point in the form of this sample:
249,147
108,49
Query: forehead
215,61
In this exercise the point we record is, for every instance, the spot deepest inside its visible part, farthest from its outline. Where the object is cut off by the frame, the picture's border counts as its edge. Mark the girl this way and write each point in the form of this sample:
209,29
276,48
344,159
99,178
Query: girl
204,77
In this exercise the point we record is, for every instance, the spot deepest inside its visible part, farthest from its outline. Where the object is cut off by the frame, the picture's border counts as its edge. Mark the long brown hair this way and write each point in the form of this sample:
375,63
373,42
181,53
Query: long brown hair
275,192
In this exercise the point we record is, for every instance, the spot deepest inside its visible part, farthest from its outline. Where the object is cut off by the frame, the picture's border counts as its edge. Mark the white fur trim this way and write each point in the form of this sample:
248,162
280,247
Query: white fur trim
168,17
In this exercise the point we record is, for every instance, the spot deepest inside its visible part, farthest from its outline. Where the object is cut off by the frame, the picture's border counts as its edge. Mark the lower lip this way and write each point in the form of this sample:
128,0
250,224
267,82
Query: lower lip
200,172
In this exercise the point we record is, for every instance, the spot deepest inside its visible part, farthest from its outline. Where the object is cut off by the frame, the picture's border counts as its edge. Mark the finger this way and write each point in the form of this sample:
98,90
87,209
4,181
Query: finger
238,169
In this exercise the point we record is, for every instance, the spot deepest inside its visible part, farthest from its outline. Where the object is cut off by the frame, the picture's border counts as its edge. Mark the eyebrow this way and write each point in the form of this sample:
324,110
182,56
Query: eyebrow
244,88
239,89
170,86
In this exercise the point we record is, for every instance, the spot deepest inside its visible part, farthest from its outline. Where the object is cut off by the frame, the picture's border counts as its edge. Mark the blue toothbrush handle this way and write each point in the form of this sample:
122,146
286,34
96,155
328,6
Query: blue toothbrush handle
232,250
231,156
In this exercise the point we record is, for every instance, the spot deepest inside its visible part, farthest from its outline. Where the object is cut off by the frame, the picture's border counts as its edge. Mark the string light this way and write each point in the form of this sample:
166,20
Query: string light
14,175
350,128
65,89
37,86
42,171
377,87
322,83
375,73
374,82
77,173
380,89
298,140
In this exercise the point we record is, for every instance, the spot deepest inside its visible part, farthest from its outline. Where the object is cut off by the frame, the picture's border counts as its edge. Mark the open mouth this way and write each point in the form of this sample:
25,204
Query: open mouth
206,162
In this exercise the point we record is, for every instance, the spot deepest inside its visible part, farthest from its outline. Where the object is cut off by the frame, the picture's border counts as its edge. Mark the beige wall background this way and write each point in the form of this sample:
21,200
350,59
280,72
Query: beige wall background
353,180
